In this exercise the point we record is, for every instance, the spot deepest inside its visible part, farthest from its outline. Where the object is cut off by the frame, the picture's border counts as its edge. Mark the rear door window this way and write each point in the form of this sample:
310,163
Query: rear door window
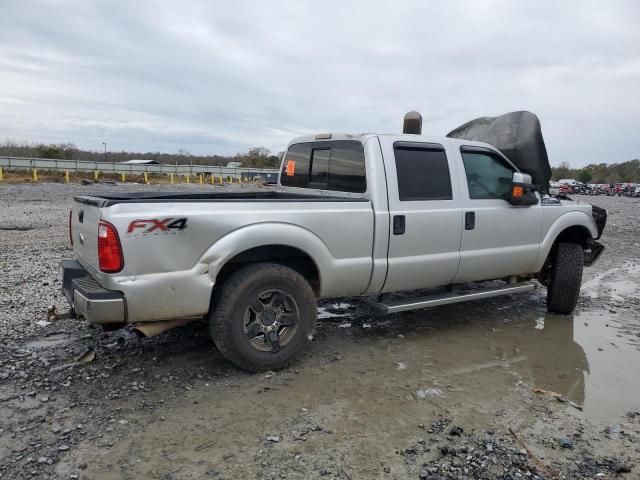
331,165
423,171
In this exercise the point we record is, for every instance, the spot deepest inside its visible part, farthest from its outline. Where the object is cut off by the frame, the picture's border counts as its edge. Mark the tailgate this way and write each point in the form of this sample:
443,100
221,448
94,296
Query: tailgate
84,232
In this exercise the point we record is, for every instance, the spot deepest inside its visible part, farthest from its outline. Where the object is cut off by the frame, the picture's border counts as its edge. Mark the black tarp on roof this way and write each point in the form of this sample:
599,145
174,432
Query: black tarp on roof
518,136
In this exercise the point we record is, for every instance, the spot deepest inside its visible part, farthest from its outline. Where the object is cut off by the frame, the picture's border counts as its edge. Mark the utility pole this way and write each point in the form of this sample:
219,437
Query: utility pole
105,151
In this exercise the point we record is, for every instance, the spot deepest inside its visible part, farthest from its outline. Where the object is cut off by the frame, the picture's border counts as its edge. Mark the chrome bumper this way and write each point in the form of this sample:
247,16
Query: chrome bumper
88,299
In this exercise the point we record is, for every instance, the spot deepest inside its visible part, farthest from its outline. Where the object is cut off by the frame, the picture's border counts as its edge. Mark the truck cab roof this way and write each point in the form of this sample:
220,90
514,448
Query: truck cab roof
363,137
397,137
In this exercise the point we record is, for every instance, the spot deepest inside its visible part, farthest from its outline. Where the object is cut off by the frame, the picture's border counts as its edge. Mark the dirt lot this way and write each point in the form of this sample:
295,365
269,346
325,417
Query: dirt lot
442,393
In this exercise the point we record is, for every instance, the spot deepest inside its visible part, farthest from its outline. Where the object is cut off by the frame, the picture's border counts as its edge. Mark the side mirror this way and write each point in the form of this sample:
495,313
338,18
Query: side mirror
522,192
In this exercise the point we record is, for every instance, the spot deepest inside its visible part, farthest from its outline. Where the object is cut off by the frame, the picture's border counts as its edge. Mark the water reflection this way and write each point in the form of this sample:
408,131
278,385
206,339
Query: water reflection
476,353
553,359
472,348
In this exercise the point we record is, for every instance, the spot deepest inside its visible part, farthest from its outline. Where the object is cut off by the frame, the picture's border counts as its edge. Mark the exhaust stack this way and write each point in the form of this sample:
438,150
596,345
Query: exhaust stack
412,123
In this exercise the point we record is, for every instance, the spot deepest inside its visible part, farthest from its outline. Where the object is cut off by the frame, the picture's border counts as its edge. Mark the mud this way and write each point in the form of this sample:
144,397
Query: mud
372,398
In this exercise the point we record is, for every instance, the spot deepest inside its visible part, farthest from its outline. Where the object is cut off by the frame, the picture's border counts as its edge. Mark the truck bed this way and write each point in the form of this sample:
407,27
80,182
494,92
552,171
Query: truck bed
168,197
169,273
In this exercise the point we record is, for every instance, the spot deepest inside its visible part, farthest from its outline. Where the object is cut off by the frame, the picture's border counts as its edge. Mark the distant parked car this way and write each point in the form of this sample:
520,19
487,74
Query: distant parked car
581,188
568,181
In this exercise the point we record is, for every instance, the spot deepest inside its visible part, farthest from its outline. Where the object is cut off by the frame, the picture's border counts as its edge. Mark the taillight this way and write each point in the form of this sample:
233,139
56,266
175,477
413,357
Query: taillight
109,249
70,234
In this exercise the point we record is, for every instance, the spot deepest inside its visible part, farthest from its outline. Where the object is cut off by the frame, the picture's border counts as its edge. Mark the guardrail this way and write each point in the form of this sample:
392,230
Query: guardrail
20,163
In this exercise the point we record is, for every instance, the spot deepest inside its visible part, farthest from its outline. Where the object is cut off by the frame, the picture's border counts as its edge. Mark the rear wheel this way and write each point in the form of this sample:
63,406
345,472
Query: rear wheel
263,316
565,278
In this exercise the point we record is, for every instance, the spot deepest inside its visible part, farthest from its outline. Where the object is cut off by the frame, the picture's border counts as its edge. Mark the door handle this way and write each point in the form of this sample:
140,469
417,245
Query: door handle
398,224
469,220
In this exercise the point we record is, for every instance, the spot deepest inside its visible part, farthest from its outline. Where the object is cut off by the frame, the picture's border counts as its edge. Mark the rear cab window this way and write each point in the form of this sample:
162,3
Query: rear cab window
337,165
422,171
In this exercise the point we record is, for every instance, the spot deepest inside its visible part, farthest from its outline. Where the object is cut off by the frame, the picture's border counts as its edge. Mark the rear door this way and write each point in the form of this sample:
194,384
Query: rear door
425,226
498,239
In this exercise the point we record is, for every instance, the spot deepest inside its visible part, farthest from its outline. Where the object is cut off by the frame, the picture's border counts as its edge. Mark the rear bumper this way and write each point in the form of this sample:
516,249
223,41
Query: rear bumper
88,299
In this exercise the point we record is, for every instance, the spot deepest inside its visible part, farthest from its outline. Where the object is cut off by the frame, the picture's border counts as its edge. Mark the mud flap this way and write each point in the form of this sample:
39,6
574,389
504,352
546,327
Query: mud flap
600,217
592,252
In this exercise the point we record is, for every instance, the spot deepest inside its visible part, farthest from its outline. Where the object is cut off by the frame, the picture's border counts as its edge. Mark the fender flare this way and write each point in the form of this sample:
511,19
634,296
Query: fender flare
567,220
264,234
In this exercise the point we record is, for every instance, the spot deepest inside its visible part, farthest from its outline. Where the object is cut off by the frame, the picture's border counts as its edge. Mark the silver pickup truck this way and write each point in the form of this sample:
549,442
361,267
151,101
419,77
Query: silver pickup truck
352,215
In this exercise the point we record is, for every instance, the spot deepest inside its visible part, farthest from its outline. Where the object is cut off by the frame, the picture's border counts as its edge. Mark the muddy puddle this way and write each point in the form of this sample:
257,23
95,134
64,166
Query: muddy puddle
378,379
449,355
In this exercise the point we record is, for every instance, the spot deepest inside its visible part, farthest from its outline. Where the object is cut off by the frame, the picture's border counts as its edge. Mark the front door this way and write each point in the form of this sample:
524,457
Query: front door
424,240
498,239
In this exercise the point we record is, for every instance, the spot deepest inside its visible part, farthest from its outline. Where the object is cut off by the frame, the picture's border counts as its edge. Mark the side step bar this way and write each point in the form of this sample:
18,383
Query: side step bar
403,305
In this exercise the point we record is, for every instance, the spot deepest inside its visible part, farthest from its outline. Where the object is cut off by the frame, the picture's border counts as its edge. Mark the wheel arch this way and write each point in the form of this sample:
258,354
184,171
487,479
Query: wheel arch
287,255
572,227
574,234
282,243
578,234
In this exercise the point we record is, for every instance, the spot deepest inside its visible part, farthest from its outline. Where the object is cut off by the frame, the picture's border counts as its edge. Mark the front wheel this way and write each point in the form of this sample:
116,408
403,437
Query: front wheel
263,316
565,278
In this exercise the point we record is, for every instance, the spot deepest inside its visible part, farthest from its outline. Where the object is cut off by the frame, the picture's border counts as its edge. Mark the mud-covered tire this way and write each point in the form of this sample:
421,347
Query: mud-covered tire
230,304
565,278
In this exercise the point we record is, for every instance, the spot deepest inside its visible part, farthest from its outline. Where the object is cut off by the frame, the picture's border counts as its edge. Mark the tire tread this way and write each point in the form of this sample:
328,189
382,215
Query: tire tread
566,277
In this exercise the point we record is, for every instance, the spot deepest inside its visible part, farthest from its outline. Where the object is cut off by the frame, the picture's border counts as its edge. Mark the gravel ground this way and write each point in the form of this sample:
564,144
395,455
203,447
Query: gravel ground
442,393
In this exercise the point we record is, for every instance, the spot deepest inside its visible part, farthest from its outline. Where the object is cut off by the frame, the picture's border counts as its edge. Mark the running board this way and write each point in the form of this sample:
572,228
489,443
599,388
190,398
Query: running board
403,305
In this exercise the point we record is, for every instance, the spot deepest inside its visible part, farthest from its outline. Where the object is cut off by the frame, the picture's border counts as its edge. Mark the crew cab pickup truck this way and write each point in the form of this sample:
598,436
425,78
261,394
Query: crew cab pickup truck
364,215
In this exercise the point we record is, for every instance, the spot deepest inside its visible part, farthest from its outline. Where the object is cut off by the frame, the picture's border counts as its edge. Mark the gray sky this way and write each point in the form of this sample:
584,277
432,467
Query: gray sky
219,77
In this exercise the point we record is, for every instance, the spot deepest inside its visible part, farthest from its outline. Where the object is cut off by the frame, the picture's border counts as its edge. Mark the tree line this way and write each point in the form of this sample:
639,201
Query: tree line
625,172
260,157
257,157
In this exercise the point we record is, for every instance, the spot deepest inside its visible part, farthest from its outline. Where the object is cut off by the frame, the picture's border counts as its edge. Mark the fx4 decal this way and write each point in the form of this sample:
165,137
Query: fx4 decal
153,225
